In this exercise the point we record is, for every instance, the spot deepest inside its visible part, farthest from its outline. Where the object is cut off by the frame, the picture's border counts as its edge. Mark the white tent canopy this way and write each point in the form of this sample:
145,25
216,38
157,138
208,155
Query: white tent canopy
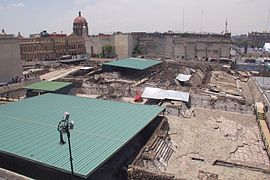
267,47
86,68
183,77
156,93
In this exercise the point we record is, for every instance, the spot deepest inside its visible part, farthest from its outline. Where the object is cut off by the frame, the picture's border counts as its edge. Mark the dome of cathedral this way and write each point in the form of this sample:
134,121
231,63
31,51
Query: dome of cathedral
80,19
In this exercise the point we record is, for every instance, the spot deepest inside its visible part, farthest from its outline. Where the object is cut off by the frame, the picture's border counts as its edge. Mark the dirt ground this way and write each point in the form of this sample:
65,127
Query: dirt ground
211,136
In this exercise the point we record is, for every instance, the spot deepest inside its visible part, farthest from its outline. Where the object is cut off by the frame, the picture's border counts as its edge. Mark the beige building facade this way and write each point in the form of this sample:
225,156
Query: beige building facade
10,58
123,45
95,44
185,46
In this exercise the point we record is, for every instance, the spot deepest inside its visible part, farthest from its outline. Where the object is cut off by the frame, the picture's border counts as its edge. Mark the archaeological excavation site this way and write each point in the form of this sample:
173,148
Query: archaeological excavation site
209,129
166,100
209,125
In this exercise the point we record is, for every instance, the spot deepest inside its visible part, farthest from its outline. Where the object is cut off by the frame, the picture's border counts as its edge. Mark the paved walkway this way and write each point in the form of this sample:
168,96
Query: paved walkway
59,73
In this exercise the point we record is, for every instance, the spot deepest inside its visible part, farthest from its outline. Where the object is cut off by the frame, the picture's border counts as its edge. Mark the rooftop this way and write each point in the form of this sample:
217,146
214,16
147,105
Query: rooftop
133,63
50,86
28,130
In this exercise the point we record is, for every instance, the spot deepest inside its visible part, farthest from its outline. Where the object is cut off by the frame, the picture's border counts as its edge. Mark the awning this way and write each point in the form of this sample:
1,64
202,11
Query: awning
156,93
183,77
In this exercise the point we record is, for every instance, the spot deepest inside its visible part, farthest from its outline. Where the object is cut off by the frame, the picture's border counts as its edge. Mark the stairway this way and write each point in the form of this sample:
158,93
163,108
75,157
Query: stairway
162,149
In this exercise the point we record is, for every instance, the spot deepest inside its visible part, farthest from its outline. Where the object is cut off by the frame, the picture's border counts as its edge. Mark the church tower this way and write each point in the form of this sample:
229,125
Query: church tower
80,26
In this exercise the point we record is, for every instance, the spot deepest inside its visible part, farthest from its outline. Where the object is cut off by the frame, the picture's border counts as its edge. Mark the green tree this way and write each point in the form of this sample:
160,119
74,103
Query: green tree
107,51
137,49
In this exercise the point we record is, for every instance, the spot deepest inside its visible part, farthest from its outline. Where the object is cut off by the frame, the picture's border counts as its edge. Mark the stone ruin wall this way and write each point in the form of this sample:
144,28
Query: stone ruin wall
220,103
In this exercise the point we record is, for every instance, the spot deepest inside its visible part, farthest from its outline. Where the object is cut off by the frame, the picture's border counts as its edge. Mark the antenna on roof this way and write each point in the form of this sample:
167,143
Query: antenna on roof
226,26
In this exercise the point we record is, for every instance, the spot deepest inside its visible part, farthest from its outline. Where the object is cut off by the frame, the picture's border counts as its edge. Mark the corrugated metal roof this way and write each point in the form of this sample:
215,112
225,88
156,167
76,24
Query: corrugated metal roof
28,129
156,93
50,86
133,63
183,77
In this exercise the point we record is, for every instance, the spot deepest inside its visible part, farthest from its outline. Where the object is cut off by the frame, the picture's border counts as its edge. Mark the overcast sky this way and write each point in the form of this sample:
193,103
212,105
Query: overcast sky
106,16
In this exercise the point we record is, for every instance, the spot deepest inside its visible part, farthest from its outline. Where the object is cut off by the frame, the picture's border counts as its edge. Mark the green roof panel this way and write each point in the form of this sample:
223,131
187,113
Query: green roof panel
28,129
133,63
50,86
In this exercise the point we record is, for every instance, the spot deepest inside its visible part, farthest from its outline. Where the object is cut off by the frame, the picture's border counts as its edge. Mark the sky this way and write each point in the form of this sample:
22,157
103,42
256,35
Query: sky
107,16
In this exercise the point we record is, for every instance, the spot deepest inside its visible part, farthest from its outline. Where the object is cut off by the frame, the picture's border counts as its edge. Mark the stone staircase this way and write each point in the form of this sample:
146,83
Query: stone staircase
162,149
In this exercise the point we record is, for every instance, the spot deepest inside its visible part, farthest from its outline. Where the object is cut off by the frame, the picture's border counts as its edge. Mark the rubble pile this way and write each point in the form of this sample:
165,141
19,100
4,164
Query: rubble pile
142,173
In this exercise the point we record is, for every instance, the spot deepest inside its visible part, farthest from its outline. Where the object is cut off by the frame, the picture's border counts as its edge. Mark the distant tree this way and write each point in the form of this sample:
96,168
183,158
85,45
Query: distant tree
107,51
137,49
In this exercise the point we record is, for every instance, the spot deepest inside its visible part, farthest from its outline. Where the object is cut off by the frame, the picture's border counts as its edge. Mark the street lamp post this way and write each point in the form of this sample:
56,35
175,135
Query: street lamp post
64,127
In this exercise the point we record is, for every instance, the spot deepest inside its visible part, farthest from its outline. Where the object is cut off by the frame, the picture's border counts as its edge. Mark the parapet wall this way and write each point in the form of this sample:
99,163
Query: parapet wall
17,86
220,103
259,96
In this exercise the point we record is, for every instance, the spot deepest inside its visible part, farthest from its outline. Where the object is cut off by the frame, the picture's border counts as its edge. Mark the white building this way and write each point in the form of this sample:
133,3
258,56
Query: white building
10,58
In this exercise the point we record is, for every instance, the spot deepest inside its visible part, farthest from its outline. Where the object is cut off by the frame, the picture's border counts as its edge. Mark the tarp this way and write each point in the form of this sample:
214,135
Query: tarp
267,47
183,77
86,68
157,93
153,93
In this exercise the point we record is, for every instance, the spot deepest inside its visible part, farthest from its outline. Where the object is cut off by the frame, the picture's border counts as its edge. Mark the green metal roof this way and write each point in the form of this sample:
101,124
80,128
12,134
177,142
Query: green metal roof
133,63
28,129
50,86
